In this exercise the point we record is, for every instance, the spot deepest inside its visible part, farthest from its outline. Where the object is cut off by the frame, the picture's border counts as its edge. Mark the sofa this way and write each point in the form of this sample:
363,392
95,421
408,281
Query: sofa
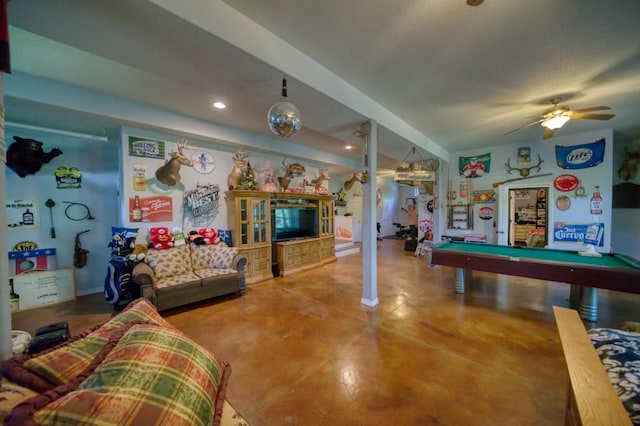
190,273
135,368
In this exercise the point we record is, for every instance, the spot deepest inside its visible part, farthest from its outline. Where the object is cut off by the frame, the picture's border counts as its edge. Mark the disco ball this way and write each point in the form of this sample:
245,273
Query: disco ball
284,119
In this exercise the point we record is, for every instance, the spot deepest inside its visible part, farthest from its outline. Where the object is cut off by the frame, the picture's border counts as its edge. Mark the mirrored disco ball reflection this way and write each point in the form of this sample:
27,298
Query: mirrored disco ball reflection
284,119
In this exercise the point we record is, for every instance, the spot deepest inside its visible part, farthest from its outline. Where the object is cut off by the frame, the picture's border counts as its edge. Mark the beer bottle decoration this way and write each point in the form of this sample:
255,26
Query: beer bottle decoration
136,213
596,201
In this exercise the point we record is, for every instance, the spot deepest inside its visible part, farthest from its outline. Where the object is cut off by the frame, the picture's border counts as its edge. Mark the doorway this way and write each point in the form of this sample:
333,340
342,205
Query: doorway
528,212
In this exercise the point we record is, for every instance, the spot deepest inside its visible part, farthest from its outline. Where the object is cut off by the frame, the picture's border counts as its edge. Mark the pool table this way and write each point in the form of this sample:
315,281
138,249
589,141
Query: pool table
586,273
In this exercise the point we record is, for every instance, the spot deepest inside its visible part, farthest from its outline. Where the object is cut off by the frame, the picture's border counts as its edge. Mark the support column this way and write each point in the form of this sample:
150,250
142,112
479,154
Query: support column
6,350
369,232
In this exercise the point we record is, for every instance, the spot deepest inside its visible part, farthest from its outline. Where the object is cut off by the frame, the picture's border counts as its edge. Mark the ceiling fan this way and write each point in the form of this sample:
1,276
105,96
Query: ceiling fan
556,117
474,2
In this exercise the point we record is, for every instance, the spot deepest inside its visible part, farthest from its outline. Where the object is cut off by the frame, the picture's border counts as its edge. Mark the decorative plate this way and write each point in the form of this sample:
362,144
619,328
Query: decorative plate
566,183
203,162
563,203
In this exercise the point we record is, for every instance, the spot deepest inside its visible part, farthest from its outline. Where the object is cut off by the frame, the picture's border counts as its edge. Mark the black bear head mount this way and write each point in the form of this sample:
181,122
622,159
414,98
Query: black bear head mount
26,157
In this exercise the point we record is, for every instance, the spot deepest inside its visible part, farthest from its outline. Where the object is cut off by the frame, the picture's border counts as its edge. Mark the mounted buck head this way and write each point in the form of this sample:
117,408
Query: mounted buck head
239,165
349,183
169,174
317,182
524,171
629,169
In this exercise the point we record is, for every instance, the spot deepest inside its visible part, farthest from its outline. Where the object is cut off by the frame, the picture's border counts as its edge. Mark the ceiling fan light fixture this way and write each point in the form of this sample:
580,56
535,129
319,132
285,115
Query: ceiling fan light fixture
555,122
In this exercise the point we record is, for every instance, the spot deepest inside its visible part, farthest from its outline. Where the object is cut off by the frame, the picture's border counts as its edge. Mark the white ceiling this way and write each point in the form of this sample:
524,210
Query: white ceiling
436,74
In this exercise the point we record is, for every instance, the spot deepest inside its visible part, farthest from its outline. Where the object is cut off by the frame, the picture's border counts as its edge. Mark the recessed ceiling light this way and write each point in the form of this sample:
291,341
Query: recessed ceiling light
348,147
219,105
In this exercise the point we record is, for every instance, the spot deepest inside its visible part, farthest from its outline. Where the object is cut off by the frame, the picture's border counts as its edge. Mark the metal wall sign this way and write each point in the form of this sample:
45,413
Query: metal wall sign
580,156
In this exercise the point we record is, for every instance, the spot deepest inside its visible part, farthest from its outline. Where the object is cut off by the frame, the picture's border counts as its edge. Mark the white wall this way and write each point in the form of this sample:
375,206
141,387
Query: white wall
190,178
579,212
98,162
625,237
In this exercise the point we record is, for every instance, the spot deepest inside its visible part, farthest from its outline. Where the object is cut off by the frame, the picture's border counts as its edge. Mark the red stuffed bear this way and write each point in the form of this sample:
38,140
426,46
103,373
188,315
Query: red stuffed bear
209,235
161,238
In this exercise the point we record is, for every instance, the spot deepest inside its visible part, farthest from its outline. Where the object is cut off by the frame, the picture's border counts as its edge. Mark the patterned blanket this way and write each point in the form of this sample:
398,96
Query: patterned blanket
134,369
619,352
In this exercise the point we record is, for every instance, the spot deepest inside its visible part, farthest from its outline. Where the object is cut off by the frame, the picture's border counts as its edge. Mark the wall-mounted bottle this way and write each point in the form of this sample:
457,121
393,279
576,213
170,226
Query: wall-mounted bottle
15,297
136,212
596,201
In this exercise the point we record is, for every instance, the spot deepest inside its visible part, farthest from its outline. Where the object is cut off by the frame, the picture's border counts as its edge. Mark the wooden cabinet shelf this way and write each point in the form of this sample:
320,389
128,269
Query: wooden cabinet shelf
249,215
250,222
459,216
300,255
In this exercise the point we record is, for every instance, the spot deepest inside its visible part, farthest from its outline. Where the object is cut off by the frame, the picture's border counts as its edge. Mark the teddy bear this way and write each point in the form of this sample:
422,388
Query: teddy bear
178,237
203,236
161,238
209,235
138,253
195,238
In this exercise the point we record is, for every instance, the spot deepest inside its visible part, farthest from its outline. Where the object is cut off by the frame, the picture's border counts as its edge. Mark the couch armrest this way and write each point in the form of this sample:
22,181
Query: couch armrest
238,263
144,276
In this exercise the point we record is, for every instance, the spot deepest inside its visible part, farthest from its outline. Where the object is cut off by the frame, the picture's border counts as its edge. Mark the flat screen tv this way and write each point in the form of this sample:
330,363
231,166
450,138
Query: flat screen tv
293,223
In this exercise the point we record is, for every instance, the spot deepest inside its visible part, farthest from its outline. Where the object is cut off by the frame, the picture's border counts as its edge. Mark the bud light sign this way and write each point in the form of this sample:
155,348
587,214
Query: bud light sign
580,156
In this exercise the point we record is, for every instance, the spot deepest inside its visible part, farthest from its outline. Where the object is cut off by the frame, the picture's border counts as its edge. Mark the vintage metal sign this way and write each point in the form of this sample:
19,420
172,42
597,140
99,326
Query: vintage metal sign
580,156
578,233
144,147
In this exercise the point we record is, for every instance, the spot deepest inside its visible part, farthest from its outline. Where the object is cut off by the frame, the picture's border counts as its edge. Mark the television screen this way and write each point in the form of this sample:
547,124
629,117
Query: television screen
290,223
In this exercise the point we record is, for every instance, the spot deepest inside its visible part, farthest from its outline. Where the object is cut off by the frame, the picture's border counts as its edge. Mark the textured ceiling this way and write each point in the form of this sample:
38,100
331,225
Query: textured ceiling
438,75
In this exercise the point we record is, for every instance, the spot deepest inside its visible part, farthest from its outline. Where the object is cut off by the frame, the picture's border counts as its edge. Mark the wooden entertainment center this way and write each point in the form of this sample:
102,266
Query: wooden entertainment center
250,221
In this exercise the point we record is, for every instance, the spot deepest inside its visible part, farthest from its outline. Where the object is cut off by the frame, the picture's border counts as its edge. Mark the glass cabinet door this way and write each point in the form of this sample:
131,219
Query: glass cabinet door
243,213
326,218
260,221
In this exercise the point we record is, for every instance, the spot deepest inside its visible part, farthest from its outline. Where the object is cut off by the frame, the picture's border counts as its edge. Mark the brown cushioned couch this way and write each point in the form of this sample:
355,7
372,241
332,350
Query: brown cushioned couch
190,273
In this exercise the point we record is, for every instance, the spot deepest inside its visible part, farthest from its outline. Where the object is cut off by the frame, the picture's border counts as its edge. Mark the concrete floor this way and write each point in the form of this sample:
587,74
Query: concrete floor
305,351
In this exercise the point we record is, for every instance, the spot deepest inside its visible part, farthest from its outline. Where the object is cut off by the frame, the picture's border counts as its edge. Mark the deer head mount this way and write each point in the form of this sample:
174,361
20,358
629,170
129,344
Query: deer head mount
349,183
317,182
169,174
239,165
290,171
629,169
524,171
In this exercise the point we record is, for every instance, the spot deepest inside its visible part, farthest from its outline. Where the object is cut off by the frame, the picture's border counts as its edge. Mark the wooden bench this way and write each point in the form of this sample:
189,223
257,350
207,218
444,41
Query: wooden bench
591,399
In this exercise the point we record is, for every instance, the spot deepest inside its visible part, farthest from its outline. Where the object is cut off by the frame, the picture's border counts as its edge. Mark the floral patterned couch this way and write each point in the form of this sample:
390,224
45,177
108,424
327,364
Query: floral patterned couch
135,368
190,273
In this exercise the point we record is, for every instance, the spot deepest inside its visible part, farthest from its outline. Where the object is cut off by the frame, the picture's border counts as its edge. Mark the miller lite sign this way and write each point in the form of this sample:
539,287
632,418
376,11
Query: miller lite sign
580,156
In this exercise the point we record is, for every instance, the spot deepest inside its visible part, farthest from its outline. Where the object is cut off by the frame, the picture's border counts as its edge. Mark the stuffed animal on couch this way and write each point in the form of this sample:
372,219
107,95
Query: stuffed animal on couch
204,236
138,253
178,237
161,238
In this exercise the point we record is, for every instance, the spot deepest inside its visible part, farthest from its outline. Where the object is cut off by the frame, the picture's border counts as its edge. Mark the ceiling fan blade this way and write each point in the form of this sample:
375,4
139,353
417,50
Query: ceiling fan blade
548,133
598,108
474,2
525,126
582,116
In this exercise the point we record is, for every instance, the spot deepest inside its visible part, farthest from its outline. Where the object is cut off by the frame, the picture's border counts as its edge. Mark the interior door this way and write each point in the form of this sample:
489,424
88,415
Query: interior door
512,217
502,231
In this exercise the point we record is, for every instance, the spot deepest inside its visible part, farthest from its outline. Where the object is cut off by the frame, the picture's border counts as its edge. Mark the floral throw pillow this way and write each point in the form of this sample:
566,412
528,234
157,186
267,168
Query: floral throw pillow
169,263
223,257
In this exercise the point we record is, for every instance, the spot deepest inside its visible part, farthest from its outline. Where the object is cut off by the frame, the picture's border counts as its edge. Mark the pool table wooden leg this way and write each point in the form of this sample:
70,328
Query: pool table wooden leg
462,277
